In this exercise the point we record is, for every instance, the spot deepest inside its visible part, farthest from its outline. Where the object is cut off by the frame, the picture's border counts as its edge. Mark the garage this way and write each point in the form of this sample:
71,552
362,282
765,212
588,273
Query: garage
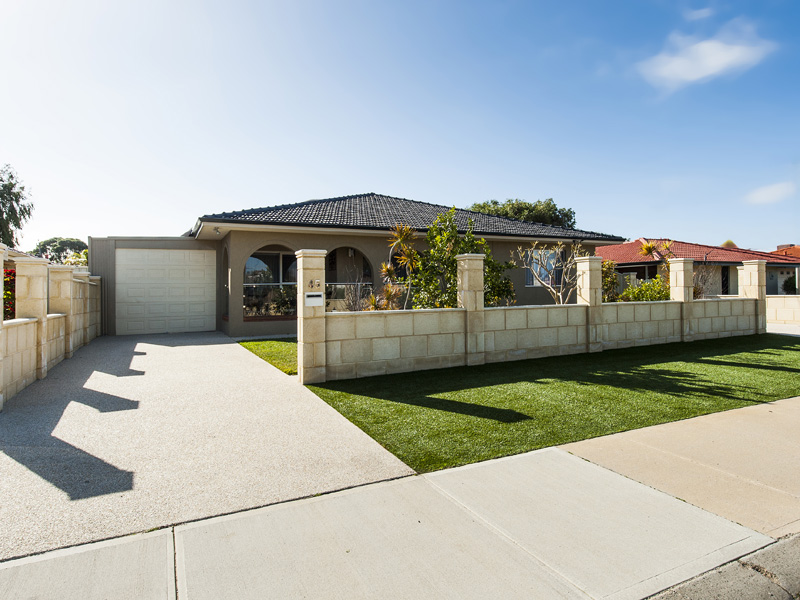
164,291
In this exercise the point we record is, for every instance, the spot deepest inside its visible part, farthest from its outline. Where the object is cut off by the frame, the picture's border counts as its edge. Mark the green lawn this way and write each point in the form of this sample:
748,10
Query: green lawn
437,419
280,353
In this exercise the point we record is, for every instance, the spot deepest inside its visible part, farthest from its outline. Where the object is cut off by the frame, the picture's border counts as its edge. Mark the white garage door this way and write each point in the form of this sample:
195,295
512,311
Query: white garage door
165,291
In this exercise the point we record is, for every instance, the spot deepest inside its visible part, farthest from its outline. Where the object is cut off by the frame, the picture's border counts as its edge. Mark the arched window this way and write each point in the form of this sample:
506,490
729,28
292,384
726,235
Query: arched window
270,283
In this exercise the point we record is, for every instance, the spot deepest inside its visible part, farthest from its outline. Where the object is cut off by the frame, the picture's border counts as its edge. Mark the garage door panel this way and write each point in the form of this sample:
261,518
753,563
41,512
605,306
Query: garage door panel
163,291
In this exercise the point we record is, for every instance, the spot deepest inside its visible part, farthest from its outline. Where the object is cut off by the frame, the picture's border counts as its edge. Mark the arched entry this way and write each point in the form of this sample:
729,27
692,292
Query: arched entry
270,283
349,277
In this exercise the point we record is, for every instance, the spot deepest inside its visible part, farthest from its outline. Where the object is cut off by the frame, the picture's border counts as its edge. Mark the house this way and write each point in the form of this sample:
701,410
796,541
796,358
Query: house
792,250
719,263
236,271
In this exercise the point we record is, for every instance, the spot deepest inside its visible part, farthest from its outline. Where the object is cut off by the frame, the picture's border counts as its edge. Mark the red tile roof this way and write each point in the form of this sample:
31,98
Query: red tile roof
790,251
629,253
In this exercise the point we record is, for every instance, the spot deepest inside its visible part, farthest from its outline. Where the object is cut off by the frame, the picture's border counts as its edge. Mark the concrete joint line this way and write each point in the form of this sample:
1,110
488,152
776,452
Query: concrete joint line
717,469
175,562
764,573
478,518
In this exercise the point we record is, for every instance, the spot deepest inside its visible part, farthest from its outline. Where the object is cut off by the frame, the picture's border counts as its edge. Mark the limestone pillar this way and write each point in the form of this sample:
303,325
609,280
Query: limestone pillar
681,289
753,284
470,297
590,294
31,302
81,279
94,306
3,258
61,300
311,360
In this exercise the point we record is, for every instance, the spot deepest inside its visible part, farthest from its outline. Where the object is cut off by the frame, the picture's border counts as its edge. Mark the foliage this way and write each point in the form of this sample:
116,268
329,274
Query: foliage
654,290
57,249
9,284
281,353
449,417
429,277
541,211
790,285
435,281
15,210
78,259
610,293
729,244
553,267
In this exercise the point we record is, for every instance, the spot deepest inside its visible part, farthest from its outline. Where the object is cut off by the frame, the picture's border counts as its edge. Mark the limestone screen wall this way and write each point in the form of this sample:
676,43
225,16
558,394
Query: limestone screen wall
784,310
361,344
57,309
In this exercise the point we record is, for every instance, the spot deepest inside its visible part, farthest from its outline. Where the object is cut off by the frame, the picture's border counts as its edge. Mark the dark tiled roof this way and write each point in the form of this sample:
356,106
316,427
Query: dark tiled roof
374,211
628,253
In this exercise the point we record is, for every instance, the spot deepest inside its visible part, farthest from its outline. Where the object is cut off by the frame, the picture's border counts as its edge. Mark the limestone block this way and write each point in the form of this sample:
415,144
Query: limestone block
744,322
576,315
413,346
673,310
505,340
625,313
451,321
371,369
658,311
557,316
356,351
724,308
516,318
488,341
426,323
650,329
537,317
386,348
440,344
399,323
641,312
494,319
334,372
400,365
712,308
737,308
340,327
704,325
548,336
320,357
731,323
567,336
528,338
608,314
633,331
369,324
312,330
427,362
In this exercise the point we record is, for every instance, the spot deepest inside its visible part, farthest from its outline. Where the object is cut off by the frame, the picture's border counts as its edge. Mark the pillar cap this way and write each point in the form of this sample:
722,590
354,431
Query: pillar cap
30,260
476,255
580,259
306,252
680,260
754,262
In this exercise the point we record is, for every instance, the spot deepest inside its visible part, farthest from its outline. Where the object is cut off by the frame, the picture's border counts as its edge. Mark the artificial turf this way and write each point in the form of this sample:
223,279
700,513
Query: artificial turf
443,418
280,353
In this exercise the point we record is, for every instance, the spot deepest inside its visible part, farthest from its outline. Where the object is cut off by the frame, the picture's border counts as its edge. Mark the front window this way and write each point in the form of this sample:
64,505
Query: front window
270,285
543,262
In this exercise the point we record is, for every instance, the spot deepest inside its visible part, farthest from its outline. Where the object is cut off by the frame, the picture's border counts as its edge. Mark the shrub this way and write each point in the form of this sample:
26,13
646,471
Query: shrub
790,285
9,281
610,293
648,291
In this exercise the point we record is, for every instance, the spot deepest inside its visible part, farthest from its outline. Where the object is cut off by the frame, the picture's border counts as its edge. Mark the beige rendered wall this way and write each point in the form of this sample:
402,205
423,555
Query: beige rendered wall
783,310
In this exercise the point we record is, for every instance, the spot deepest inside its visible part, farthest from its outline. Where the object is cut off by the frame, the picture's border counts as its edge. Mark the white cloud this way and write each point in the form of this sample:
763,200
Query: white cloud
696,15
770,194
685,60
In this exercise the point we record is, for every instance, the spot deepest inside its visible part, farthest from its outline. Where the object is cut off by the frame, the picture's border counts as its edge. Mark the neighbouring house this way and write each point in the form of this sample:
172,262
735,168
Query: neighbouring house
719,263
236,271
792,250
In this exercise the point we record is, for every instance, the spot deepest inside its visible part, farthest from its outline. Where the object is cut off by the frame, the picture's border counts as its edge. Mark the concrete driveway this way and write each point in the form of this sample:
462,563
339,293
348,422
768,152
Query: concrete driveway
135,433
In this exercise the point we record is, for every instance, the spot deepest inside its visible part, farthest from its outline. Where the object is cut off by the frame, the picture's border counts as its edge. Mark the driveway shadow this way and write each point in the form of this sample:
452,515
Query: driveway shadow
29,419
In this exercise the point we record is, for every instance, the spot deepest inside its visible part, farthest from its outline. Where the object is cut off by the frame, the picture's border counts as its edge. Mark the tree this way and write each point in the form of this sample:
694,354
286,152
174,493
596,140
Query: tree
58,249
15,210
610,283
553,267
790,285
541,211
430,277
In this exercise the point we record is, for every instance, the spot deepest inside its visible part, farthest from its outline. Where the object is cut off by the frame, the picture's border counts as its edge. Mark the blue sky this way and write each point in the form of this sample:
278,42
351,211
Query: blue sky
649,118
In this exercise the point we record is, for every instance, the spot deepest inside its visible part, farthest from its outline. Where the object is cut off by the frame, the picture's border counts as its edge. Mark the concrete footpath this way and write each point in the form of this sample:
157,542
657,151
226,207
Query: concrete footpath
545,524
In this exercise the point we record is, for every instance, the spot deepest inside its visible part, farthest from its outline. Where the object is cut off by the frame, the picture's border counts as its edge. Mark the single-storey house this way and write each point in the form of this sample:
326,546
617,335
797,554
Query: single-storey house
236,271
719,263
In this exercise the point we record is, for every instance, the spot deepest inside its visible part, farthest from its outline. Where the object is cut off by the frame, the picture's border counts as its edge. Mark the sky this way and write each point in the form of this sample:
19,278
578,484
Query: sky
652,118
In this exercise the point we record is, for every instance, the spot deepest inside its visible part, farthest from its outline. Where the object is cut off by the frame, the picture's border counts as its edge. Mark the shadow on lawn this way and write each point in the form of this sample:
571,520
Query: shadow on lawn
633,369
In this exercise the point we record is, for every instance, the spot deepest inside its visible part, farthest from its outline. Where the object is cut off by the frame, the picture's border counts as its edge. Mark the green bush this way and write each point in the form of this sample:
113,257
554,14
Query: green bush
9,280
648,291
790,285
